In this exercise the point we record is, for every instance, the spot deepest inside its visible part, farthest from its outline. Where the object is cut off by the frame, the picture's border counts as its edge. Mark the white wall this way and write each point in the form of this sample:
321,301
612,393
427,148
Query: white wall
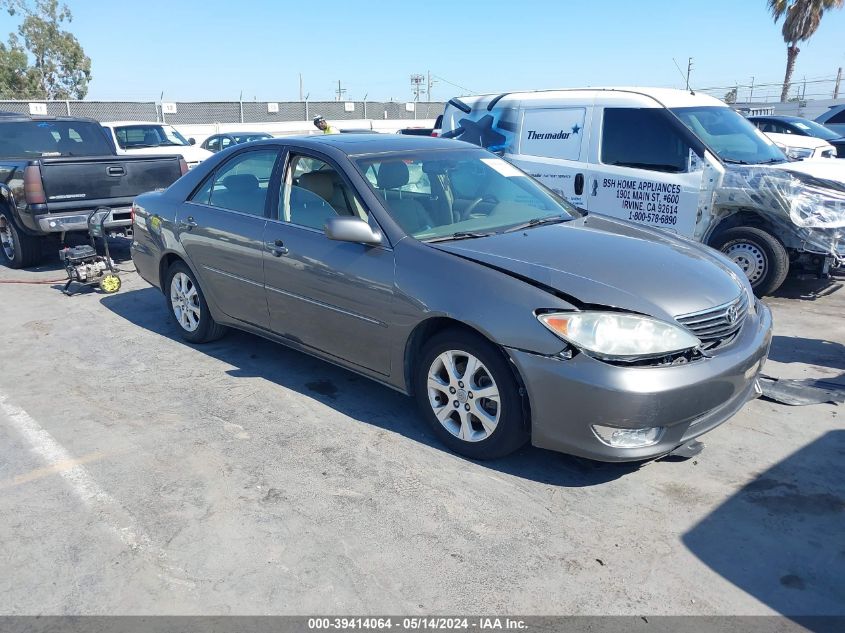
293,128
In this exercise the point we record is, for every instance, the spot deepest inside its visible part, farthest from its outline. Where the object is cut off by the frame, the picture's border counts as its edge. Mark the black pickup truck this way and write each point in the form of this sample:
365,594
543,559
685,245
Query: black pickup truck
54,171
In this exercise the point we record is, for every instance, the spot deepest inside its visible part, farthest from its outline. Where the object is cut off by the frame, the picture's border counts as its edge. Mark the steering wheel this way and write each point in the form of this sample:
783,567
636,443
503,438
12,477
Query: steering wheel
476,201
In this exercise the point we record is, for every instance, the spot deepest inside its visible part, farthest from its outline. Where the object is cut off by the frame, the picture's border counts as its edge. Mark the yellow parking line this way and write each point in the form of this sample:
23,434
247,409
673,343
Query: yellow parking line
53,469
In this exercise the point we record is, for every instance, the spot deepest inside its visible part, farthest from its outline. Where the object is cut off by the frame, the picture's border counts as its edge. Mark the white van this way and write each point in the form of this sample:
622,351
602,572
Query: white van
673,160
149,137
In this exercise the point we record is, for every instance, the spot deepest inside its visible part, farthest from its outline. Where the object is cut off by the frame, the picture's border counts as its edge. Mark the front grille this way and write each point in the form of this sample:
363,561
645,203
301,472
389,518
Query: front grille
717,323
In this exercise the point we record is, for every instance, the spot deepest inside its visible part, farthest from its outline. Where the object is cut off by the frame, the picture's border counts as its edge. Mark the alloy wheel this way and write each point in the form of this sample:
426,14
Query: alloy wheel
7,238
185,301
464,396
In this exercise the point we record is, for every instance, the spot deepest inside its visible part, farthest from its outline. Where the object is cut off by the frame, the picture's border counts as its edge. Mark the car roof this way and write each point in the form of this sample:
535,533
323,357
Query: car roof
777,117
359,144
121,123
644,95
19,116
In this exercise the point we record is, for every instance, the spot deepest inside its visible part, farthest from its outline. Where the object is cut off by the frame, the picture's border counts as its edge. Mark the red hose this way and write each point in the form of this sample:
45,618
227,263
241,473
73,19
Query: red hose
21,281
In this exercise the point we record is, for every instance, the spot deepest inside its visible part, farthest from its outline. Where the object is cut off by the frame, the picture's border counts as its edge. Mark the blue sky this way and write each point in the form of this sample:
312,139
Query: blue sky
214,49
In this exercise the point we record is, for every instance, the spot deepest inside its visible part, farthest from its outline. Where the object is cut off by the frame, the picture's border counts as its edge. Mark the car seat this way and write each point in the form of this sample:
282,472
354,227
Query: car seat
410,214
242,193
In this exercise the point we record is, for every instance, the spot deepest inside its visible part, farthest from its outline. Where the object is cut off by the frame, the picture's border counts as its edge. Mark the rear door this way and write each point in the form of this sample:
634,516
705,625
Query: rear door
552,146
221,228
333,296
644,169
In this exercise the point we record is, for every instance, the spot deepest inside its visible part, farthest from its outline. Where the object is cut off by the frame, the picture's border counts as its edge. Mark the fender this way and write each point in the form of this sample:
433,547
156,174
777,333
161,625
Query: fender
8,203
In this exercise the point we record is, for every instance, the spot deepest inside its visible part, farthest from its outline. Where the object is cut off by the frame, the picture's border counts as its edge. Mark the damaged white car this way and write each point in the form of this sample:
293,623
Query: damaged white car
671,159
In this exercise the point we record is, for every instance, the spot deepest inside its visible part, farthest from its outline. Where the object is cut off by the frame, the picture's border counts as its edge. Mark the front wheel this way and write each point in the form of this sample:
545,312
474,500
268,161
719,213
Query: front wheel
759,254
188,307
468,394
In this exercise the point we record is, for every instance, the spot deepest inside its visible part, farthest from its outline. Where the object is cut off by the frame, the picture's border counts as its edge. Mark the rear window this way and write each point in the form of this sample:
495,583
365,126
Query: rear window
35,139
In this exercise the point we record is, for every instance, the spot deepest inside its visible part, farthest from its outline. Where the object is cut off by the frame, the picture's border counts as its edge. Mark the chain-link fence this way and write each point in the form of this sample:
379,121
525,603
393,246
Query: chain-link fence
199,112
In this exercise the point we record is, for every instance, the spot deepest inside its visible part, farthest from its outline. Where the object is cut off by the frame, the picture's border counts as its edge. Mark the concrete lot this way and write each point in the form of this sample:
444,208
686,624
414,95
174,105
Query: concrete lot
140,475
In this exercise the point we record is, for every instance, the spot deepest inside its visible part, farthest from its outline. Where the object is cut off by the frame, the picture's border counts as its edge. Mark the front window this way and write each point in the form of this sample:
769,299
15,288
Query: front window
135,136
459,193
730,135
643,138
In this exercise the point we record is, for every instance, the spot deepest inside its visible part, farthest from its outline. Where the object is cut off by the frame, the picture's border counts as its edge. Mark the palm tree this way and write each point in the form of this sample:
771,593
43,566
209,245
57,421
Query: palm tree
801,20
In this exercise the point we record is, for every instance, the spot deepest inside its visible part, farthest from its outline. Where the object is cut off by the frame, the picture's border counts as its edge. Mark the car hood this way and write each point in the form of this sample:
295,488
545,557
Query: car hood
190,153
827,168
600,261
797,140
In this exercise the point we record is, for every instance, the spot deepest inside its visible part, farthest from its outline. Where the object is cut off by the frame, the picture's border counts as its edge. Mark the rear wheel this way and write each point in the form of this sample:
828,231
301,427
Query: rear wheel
759,254
188,307
19,249
468,394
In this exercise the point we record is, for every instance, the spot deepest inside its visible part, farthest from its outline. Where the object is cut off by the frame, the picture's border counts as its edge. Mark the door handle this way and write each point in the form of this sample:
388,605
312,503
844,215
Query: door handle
116,170
188,223
579,184
277,247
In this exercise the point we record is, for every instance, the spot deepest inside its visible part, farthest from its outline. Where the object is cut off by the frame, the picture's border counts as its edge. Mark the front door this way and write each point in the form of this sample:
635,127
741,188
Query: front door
222,230
644,170
335,297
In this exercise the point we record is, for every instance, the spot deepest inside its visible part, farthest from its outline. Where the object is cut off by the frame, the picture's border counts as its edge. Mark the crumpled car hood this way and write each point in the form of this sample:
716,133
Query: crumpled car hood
597,260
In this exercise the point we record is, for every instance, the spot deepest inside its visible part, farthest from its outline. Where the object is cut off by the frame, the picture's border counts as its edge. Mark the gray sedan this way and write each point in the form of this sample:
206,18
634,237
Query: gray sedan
442,271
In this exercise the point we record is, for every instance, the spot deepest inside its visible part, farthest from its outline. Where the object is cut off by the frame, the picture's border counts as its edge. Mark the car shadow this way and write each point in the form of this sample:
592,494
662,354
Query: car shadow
350,394
809,289
809,351
781,538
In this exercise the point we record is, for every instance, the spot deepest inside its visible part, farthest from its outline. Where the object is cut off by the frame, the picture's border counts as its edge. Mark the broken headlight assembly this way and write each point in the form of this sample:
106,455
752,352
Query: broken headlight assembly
617,336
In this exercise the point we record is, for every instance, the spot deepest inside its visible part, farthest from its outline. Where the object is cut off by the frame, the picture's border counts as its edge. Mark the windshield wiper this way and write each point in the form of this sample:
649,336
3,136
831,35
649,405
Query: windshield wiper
459,235
552,219
733,161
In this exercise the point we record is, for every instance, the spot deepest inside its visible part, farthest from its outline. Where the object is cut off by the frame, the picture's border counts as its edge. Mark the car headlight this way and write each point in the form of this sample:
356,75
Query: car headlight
798,153
616,335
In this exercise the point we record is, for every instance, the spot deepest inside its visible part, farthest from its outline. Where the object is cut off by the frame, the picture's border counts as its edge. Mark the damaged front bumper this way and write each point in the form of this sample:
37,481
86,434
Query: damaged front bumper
568,398
809,211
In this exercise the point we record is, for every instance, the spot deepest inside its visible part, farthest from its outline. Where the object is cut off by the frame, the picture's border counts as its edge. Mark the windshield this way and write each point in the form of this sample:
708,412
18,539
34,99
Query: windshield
733,137
812,128
460,193
132,136
246,138
53,138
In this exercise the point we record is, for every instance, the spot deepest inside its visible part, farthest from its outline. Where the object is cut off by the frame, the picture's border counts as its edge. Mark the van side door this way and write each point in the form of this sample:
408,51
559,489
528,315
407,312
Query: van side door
552,146
644,169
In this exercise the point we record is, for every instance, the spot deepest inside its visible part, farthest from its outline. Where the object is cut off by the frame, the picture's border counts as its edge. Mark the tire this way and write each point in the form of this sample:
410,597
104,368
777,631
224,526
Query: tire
18,249
187,306
757,252
502,429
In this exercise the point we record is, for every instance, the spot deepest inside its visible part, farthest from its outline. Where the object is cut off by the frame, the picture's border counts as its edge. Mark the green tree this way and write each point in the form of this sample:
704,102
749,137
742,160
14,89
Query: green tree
801,19
730,96
17,79
56,67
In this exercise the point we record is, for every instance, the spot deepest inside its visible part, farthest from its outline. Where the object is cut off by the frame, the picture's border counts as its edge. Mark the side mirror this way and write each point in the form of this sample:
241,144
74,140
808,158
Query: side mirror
348,229
192,141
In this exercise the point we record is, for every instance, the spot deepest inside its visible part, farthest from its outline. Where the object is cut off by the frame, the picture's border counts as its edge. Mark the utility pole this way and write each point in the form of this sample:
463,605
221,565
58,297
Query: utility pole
689,70
416,85
751,96
340,91
300,87
428,86
836,85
